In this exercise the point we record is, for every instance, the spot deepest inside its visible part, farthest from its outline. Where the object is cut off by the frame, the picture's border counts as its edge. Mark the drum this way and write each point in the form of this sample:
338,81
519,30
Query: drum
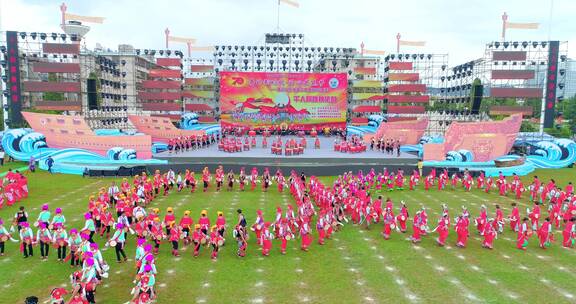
220,242
258,227
402,218
4,238
326,227
392,226
182,235
203,241
36,224
51,227
97,217
288,237
112,243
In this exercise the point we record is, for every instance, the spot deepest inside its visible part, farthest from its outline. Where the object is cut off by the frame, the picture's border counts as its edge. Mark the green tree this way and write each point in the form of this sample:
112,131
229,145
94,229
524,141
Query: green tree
53,96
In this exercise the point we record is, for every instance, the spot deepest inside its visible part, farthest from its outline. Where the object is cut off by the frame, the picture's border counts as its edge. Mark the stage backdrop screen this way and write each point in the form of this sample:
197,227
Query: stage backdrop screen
286,100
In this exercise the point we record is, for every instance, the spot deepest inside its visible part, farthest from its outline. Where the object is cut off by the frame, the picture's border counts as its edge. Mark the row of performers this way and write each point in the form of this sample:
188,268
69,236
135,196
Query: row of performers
186,143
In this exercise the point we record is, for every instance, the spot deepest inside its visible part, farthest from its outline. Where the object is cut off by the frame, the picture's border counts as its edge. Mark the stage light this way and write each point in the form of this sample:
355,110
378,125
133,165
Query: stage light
229,47
496,44
442,78
515,44
563,58
168,52
490,45
43,36
562,72
534,44
152,52
63,37
443,67
495,62
33,35
22,35
429,56
506,44
300,36
236,47
561,86
544,44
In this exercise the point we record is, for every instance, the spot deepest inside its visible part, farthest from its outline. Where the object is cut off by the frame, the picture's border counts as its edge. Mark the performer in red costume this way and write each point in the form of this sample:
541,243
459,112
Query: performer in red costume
523,234
442,229
545,234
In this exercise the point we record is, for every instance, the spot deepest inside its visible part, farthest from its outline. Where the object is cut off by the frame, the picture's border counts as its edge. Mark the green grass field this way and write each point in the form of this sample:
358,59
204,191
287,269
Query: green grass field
356,266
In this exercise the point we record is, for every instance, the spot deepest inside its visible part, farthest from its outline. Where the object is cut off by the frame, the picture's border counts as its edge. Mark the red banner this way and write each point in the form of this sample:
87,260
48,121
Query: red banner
408,98
201,68
169,62
159,84
45,86
516,92
403,76
420,88
55,67
161,106
61,48
406,109
165,73
400,66
159,95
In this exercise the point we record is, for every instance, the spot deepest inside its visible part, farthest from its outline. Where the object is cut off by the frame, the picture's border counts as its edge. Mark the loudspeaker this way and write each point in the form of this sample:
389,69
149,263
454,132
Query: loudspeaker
92,94
477,98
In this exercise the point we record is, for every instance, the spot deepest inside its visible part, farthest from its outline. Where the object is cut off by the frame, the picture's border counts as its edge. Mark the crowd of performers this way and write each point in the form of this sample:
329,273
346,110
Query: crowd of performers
354,144
122,212
187,143
385,145
13,189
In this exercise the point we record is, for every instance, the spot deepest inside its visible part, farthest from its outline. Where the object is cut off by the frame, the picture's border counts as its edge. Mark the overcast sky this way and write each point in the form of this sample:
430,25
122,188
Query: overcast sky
460,28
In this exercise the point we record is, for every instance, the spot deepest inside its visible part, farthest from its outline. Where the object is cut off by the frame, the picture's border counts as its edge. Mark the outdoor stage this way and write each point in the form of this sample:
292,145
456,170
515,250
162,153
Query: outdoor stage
323,161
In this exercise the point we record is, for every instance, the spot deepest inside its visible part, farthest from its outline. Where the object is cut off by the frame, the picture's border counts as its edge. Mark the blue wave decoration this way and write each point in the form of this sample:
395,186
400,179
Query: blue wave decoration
551,154
559,153
23,144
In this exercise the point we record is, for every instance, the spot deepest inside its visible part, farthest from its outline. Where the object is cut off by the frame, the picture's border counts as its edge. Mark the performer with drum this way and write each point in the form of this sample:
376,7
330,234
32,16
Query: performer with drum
74,240
26,239
44,236
198,238
186,223
117,241
20,217
57,219
240,235
230,178
60,238
216,241
175,235
4,236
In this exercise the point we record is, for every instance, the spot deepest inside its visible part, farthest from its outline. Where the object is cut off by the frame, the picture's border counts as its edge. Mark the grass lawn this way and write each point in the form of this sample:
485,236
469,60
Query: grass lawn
356,266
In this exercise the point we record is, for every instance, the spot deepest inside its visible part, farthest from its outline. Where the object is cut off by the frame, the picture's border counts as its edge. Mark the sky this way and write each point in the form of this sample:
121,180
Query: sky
460,28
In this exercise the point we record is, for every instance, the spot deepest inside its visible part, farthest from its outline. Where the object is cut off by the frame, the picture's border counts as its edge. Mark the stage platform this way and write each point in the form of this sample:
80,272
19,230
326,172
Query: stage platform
323,161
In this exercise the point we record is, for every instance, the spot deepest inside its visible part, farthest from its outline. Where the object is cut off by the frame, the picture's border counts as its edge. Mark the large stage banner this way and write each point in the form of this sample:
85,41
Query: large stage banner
285,100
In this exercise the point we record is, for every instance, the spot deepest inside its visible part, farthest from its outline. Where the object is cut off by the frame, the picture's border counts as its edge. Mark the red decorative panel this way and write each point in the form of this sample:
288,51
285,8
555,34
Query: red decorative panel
400,66
206,119
359,120
197,107
509,55
396,119
516,92
59,105
159,84
421,88
161,106
509,110
513,74
406,109
159,95
367,109
165,73
174,62
403,77
61,48
55,67
365,71
201,68
44,86
408,98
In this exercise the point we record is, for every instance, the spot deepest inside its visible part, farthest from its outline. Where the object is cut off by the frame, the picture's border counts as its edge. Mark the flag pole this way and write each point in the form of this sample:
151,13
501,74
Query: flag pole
278,19
504,19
